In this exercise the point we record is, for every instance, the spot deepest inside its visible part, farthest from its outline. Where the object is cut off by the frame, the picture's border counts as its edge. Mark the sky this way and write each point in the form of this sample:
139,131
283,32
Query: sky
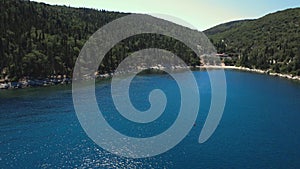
197,14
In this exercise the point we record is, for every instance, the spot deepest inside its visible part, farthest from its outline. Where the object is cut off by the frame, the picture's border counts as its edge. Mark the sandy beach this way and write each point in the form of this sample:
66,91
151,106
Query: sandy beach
288,76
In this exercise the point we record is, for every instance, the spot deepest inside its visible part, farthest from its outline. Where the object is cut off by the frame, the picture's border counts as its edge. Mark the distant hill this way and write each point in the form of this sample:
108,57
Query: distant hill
225,27
271,42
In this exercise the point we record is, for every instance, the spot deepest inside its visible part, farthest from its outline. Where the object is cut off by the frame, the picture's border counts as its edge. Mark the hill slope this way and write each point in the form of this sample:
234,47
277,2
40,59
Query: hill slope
271,42
40,40
225,27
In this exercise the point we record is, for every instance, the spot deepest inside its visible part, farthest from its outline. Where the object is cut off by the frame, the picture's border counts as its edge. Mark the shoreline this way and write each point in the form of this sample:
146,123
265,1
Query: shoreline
6,86
287,76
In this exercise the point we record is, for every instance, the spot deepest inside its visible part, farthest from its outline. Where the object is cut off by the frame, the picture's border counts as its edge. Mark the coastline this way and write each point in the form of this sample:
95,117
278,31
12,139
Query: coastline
287,76
53,82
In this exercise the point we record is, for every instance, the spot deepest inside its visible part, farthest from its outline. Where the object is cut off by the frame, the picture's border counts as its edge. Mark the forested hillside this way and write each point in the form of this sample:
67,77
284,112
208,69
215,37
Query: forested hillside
225,27
271,42
39,40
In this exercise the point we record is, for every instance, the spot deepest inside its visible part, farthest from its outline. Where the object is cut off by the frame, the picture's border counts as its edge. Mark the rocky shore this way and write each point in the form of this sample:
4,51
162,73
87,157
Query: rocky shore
25,83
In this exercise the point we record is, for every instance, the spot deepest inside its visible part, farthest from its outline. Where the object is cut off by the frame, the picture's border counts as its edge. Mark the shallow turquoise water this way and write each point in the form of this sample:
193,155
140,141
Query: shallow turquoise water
259,128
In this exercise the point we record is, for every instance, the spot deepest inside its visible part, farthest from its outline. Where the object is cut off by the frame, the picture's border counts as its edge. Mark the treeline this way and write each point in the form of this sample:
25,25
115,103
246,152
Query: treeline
40,40
269,43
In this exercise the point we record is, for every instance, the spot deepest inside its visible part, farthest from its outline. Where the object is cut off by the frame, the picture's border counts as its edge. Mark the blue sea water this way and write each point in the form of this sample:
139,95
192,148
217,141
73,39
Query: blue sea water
259,128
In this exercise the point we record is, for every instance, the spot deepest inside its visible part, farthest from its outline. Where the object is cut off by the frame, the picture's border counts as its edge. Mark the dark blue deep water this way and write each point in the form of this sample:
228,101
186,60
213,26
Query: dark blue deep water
260,127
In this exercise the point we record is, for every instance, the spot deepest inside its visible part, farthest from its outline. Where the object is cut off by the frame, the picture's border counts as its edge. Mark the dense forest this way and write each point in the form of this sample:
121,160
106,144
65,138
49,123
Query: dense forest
269,43
40,40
